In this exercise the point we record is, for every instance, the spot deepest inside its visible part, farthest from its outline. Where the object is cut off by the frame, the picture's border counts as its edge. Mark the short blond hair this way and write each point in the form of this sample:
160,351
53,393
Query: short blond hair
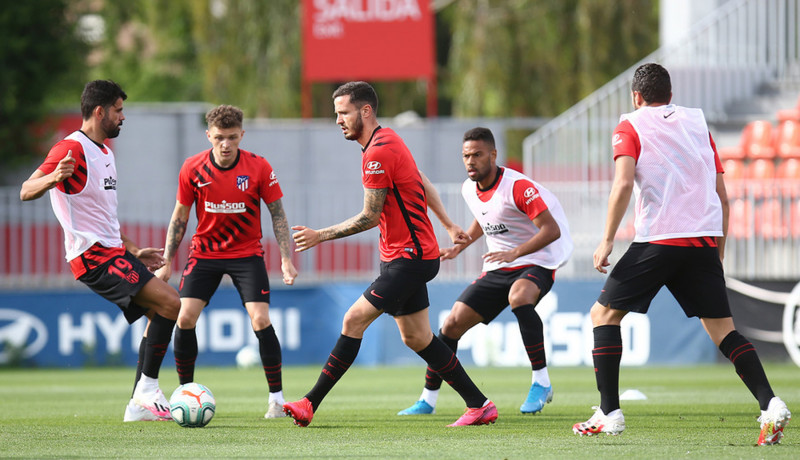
225,116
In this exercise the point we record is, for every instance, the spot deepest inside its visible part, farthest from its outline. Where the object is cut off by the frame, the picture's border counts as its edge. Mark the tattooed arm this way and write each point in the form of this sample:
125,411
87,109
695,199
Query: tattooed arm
306,238
175,232
281,228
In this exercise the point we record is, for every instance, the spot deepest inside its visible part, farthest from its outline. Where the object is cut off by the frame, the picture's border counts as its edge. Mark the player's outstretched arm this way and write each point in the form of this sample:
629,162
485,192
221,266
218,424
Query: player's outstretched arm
306,238
39,182
621,190
457,234
280,227
175,232
474,232
723,198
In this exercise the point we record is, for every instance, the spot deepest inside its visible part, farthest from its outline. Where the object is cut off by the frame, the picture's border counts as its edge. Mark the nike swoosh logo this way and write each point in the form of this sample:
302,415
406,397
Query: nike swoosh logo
483,213
668,115
376,295
108,164
203,184
264,291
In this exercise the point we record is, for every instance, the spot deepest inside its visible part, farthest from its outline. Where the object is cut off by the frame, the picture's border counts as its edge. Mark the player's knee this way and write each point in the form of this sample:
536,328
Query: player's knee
171,307
605,316
353,325
452,328
416,342
260,322
518,297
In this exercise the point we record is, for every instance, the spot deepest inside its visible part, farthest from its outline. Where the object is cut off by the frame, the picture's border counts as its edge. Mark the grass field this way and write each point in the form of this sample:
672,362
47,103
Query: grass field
695,412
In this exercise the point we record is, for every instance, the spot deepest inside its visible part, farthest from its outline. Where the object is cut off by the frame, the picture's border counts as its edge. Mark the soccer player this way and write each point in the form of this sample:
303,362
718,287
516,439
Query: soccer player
81,176
395,201
227,184
528,239
665,154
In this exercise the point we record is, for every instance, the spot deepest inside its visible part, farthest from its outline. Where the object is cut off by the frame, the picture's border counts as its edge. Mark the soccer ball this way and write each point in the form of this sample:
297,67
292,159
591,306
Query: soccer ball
192,405
248,357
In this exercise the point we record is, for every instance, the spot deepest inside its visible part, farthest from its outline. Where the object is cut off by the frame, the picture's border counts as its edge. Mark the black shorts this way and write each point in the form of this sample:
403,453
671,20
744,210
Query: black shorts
400,289
201,278
693,275
118,280
488,295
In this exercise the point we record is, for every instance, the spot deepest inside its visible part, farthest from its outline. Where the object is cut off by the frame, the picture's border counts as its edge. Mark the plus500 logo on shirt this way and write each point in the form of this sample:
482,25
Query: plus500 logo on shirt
225,207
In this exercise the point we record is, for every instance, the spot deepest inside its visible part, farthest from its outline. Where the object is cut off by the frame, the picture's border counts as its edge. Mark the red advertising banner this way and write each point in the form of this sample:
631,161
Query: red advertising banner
367,40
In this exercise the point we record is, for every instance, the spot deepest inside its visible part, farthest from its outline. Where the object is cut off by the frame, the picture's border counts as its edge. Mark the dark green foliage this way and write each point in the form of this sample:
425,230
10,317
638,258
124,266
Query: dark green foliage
517,58
41,61
539,57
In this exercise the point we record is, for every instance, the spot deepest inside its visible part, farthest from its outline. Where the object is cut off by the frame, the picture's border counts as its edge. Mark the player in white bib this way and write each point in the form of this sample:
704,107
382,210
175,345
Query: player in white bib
664,154
81,177
528,239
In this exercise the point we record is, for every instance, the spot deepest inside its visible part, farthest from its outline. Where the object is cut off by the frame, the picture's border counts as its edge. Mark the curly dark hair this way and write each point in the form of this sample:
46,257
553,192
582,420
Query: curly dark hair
653,82
225,116
103,93
361,93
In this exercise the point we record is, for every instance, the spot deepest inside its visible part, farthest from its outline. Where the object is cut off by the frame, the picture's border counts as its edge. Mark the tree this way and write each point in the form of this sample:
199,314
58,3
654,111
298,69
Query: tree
41,60
538,57
495,58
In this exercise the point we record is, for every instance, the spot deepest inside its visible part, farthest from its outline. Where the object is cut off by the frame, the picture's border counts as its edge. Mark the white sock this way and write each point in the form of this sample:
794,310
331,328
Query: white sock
541,377
430,396
277,396
147,384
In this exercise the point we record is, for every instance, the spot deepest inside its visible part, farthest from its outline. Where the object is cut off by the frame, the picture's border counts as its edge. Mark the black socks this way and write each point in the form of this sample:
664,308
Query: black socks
747,364
607,354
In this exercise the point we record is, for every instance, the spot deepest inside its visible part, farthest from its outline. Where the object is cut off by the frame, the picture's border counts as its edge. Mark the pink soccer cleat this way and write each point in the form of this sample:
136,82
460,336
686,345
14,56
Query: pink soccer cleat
477,416
301,411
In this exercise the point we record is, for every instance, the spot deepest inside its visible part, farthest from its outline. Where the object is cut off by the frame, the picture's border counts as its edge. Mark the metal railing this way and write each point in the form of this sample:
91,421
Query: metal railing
764,235
725,57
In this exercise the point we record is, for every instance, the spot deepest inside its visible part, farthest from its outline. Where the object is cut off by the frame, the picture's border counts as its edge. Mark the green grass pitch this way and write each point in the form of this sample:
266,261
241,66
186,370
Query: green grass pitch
691,412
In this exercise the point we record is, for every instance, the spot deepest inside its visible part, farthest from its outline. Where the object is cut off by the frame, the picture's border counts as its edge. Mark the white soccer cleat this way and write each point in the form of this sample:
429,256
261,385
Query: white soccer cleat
275,410
137,413
153,402
613,423
773,420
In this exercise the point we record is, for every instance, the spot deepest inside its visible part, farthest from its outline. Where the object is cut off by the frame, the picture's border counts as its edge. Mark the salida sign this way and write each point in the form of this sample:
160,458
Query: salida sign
367,39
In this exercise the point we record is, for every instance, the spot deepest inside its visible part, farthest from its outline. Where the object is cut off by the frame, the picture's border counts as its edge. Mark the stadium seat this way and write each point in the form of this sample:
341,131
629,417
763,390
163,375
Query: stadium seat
788,177
761,140
734,173
787,140
736,152
770,222
761,177
761,169
789,114
789,169
794,216
740,218
756,141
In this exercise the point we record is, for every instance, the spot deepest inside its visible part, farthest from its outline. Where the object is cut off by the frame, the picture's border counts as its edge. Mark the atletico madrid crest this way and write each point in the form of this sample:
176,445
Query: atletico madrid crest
242,182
